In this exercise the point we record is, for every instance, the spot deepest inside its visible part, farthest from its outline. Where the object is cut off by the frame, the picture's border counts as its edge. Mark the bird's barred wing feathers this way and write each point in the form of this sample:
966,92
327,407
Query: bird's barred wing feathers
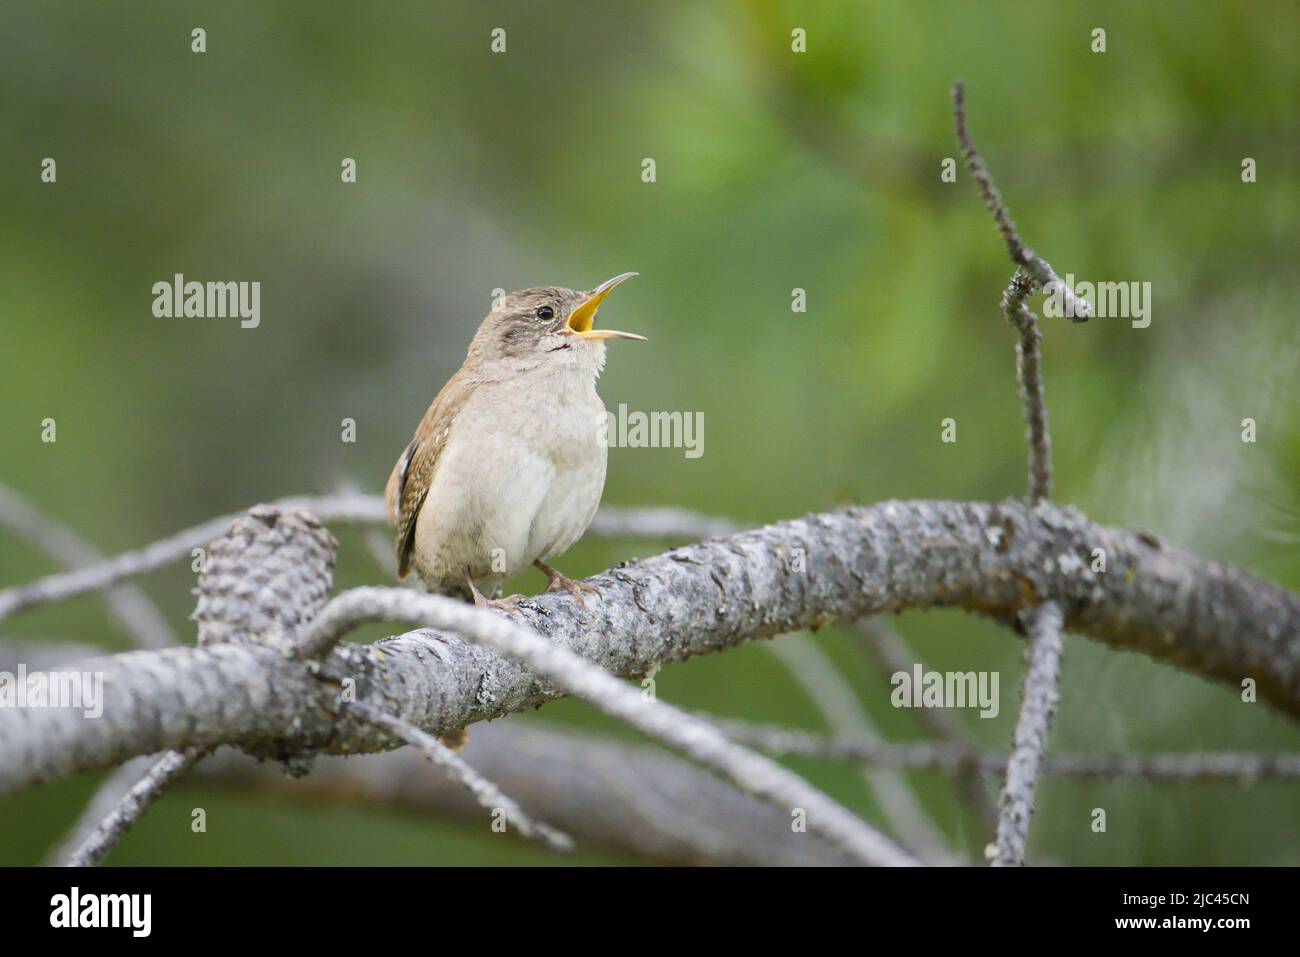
409,483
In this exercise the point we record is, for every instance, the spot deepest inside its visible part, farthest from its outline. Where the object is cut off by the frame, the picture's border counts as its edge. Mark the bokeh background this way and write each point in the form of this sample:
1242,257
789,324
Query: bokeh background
775,170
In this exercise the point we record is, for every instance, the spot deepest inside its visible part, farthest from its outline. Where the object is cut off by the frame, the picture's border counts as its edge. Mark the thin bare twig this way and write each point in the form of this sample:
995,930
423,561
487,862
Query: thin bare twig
345,508
487,794
660,522
893,655
1243,767
814,672
129,603
1029,742
43,654
1029,373
132,806
1033,273
106,797
1040,272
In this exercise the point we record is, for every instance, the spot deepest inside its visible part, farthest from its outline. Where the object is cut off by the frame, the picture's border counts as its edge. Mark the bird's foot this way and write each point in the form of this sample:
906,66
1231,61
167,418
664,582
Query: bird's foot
508,604
555,581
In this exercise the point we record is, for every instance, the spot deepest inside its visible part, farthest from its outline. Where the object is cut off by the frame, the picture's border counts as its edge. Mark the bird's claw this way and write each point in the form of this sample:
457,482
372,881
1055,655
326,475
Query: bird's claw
574,588
508,604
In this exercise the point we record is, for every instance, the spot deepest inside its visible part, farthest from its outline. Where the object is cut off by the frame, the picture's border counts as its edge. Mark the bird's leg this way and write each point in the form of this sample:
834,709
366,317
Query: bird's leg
509,603
479,600
556,581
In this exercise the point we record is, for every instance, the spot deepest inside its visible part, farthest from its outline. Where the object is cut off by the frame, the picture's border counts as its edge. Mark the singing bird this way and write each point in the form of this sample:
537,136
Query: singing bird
507,466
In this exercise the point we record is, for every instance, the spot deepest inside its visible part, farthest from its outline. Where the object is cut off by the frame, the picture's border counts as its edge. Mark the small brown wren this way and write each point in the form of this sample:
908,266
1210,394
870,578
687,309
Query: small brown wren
507,466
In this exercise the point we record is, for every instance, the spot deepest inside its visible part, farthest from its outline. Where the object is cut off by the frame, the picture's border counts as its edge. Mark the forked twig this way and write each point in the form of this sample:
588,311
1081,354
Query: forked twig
1033,273
1045,622
1039,270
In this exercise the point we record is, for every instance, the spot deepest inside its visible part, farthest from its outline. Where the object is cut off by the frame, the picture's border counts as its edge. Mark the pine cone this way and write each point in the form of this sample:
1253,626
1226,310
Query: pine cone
265,578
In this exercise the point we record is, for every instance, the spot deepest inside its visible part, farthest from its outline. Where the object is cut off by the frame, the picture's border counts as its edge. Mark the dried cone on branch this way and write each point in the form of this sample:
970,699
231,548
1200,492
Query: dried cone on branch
266,577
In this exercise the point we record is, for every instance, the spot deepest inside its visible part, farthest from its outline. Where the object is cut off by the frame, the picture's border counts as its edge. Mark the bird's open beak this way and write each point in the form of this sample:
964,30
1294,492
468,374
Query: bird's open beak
582,317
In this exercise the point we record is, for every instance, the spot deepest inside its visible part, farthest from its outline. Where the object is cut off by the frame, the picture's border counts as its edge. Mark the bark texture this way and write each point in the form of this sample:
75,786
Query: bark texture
993,558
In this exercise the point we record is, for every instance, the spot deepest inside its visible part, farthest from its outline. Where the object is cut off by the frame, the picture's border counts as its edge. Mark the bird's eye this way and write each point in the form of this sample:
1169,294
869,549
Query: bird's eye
545,312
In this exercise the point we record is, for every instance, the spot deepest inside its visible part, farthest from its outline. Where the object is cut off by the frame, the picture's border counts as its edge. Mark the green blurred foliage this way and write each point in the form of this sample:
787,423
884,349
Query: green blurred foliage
775,170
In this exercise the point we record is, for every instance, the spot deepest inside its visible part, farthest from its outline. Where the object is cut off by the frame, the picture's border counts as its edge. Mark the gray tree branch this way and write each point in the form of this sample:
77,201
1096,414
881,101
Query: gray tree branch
1029,743
996,559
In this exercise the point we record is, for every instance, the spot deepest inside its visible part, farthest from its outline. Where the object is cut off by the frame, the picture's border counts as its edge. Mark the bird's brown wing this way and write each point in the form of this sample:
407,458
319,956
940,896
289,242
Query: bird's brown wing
409,483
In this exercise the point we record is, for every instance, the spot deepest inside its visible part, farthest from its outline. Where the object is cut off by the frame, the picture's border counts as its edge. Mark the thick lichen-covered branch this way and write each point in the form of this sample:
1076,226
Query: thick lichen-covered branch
996,559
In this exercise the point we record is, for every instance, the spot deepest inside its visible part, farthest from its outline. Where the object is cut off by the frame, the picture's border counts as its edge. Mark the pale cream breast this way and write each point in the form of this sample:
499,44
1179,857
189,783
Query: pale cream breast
510,489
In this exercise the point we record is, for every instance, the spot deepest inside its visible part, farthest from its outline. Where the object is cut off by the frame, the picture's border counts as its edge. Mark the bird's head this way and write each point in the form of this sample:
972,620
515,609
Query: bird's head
548,324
